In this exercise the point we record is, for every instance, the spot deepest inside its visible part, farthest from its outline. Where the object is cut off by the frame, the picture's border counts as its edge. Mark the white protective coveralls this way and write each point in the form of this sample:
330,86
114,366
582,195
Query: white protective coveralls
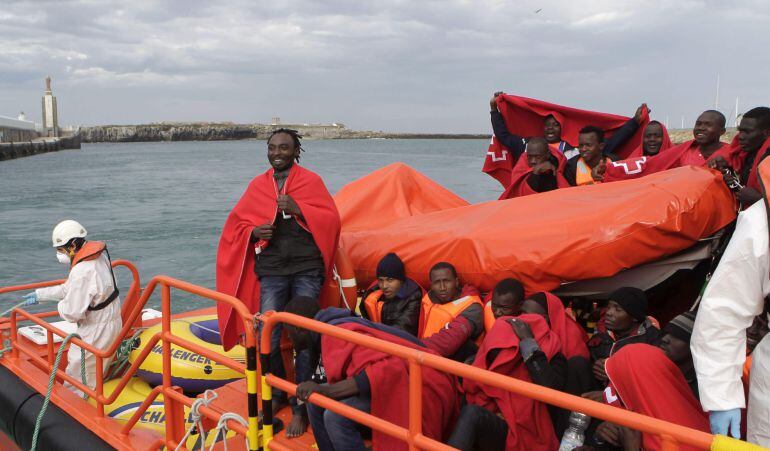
734,296
89,283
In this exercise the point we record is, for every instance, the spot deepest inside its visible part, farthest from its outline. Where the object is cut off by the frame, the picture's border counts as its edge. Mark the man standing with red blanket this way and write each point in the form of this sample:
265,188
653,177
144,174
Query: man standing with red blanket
279,241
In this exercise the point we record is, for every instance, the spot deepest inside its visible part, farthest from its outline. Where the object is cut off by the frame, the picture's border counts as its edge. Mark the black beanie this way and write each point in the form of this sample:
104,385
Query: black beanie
391,266
632,300
681,326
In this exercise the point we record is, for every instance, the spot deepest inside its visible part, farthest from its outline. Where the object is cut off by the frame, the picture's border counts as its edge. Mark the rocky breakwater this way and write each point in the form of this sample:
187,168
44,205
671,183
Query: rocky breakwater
171,132
205,131
9,151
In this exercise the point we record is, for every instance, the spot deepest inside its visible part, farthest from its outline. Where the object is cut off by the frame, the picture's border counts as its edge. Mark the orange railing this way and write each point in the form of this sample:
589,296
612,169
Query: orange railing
174,400
672,435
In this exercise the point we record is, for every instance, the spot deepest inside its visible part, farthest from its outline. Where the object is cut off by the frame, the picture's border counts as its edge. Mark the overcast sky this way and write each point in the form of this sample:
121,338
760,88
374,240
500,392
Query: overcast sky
396,65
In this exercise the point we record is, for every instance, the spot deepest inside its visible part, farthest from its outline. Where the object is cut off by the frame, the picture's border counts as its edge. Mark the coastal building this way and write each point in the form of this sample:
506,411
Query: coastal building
16,130
50,115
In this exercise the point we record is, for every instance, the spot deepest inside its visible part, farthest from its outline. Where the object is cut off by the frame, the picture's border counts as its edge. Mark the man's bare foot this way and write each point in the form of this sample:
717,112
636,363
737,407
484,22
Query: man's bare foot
297,425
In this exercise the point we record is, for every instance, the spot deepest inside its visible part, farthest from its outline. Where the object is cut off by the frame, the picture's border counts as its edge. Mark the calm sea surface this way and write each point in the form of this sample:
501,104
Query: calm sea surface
162,205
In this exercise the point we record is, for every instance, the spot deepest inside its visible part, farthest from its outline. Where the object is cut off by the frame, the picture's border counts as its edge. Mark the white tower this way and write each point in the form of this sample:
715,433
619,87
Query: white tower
50,117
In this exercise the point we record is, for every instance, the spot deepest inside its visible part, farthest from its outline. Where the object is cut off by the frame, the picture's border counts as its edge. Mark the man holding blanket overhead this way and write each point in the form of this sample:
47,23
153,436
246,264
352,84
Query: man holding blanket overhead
279,241
516,119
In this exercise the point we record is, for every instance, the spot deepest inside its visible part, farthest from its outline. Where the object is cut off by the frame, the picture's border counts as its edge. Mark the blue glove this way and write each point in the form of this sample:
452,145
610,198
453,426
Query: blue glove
724,421
30,299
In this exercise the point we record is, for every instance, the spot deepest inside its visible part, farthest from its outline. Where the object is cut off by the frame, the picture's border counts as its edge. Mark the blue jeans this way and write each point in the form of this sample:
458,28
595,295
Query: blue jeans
275,293
334,432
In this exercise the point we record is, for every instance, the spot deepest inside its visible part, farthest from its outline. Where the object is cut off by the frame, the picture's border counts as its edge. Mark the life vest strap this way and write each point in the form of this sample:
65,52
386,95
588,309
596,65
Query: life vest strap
115,292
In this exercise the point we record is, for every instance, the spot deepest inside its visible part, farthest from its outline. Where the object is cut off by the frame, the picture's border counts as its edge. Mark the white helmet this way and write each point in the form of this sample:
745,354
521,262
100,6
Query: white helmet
67,230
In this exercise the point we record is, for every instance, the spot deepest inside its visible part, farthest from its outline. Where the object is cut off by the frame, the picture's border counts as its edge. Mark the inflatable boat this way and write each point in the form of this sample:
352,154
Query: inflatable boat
558,239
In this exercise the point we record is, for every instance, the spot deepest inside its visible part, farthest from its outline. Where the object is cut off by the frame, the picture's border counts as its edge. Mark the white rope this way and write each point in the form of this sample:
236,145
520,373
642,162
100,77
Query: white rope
337,277
222,425
195,415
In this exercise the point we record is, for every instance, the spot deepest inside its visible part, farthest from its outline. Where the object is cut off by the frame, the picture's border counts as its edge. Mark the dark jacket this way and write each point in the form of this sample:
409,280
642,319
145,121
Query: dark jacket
620,137
544,182
602,345
403,311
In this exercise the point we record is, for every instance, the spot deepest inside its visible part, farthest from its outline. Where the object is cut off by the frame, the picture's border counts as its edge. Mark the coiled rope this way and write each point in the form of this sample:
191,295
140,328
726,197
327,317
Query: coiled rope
51,380
195,415
222,426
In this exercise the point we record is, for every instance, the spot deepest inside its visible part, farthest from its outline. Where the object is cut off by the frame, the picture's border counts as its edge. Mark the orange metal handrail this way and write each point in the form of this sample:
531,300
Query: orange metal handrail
672,434
173,399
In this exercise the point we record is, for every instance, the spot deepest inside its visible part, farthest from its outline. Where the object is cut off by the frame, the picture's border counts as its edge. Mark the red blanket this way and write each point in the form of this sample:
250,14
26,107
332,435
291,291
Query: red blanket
257,206
389,382
681,155
524,117
573,338
529,425
753,181
647,382
521,172
639,151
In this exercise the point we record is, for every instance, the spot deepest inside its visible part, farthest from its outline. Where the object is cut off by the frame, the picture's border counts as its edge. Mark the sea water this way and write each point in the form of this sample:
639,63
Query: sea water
162,205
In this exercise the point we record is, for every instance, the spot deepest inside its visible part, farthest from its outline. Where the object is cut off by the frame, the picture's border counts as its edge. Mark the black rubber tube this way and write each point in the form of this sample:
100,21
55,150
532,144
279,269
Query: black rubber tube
19,407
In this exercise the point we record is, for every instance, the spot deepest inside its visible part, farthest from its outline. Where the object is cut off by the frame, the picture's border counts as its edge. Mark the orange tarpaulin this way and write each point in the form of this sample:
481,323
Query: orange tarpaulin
543,240
393,192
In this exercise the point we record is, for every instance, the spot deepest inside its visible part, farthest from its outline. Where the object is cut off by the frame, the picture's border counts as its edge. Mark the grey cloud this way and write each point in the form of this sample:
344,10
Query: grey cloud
390,64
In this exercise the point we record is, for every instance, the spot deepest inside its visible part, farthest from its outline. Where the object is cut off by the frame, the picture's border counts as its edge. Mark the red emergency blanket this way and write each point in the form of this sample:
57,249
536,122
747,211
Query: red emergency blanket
542,240
573,338
753,181
683,154
647,382
529,425
389,382
524,117
258,205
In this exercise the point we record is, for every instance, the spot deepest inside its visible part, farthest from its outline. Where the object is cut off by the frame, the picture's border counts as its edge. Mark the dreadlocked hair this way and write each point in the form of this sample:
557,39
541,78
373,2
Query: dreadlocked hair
295,136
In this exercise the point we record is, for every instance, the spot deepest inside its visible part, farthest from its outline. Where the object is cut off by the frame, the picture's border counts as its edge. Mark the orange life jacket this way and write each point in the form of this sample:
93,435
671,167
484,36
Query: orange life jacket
373,306
489,317
746,371
583,174
435,317
91,250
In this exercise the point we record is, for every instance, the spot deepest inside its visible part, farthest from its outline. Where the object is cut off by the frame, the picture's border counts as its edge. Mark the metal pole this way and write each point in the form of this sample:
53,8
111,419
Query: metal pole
251,388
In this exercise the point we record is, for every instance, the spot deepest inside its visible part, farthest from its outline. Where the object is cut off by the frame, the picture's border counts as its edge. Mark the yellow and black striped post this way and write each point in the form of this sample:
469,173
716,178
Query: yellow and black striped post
253,402
267,401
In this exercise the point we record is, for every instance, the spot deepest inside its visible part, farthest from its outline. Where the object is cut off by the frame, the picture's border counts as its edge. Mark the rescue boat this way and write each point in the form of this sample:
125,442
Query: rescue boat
486,242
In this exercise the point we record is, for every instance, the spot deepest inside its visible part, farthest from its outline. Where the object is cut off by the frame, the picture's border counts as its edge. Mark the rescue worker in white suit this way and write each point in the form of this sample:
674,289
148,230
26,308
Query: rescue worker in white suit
735,295
89,297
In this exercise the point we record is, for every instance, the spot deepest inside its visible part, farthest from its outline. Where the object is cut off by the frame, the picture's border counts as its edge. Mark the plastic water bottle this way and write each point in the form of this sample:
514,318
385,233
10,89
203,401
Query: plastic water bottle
574,436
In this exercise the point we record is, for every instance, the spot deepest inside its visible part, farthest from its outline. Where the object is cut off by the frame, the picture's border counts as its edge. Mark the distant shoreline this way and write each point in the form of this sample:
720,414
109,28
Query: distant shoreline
204,131
228,132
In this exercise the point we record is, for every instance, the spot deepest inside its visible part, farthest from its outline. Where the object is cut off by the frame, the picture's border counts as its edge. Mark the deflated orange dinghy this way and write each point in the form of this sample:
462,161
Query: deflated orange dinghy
543,240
